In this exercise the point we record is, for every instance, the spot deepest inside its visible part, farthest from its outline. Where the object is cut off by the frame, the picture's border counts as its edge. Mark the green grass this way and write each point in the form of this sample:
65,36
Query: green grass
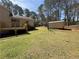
41,44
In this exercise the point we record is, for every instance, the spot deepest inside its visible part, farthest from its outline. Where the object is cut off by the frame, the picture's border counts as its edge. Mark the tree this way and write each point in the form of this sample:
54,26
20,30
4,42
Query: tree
55,7
15,9
70,12
27,12
8,4
18,10
33,14
41,14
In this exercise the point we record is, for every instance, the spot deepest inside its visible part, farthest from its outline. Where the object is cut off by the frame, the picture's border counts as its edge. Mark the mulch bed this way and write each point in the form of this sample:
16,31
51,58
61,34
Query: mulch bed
72,27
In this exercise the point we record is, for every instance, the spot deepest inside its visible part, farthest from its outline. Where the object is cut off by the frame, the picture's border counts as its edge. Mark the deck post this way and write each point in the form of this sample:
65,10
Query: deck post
15,32
0,32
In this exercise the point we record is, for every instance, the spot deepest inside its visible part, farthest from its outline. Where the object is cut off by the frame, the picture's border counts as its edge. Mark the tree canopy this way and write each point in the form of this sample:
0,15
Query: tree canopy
54,9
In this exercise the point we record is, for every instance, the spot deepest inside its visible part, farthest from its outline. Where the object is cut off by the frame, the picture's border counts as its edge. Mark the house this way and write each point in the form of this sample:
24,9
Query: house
5,21
20,21
56,25
12,23
61,25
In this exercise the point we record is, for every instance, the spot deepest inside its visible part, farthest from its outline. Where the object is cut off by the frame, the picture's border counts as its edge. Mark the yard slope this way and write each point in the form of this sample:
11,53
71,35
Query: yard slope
41,44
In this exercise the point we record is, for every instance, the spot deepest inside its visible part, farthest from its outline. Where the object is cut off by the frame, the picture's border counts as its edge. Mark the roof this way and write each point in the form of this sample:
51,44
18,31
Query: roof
22,17
55,21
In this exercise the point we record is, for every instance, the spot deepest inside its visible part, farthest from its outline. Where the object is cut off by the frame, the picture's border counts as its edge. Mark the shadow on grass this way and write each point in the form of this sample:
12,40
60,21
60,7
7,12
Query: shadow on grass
33,29
53,30
58,29
19,32
12,33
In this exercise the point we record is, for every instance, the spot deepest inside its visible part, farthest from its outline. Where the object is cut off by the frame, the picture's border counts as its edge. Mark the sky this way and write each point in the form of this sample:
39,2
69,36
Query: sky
32,5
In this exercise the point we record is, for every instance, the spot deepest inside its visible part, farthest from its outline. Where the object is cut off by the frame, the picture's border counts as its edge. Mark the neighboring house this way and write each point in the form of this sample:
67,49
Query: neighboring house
61,25
56,25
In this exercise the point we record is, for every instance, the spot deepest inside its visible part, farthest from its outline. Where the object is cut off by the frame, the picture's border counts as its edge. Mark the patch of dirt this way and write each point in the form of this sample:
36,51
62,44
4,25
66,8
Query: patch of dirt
53,52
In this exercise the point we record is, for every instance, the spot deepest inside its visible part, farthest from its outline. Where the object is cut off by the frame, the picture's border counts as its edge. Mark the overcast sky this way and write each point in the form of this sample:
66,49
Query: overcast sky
32,5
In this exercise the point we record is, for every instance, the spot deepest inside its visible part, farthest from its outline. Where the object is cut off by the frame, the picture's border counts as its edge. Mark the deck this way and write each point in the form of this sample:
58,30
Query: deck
13,28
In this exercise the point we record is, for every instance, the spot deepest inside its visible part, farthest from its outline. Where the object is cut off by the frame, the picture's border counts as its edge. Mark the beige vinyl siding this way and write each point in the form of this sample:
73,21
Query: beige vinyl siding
5,21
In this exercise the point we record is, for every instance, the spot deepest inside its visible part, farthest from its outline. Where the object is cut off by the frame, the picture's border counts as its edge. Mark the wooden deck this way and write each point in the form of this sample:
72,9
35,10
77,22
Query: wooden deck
13,28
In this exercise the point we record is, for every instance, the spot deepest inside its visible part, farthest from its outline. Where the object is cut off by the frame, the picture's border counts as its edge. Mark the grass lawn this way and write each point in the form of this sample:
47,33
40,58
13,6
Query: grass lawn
41,44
